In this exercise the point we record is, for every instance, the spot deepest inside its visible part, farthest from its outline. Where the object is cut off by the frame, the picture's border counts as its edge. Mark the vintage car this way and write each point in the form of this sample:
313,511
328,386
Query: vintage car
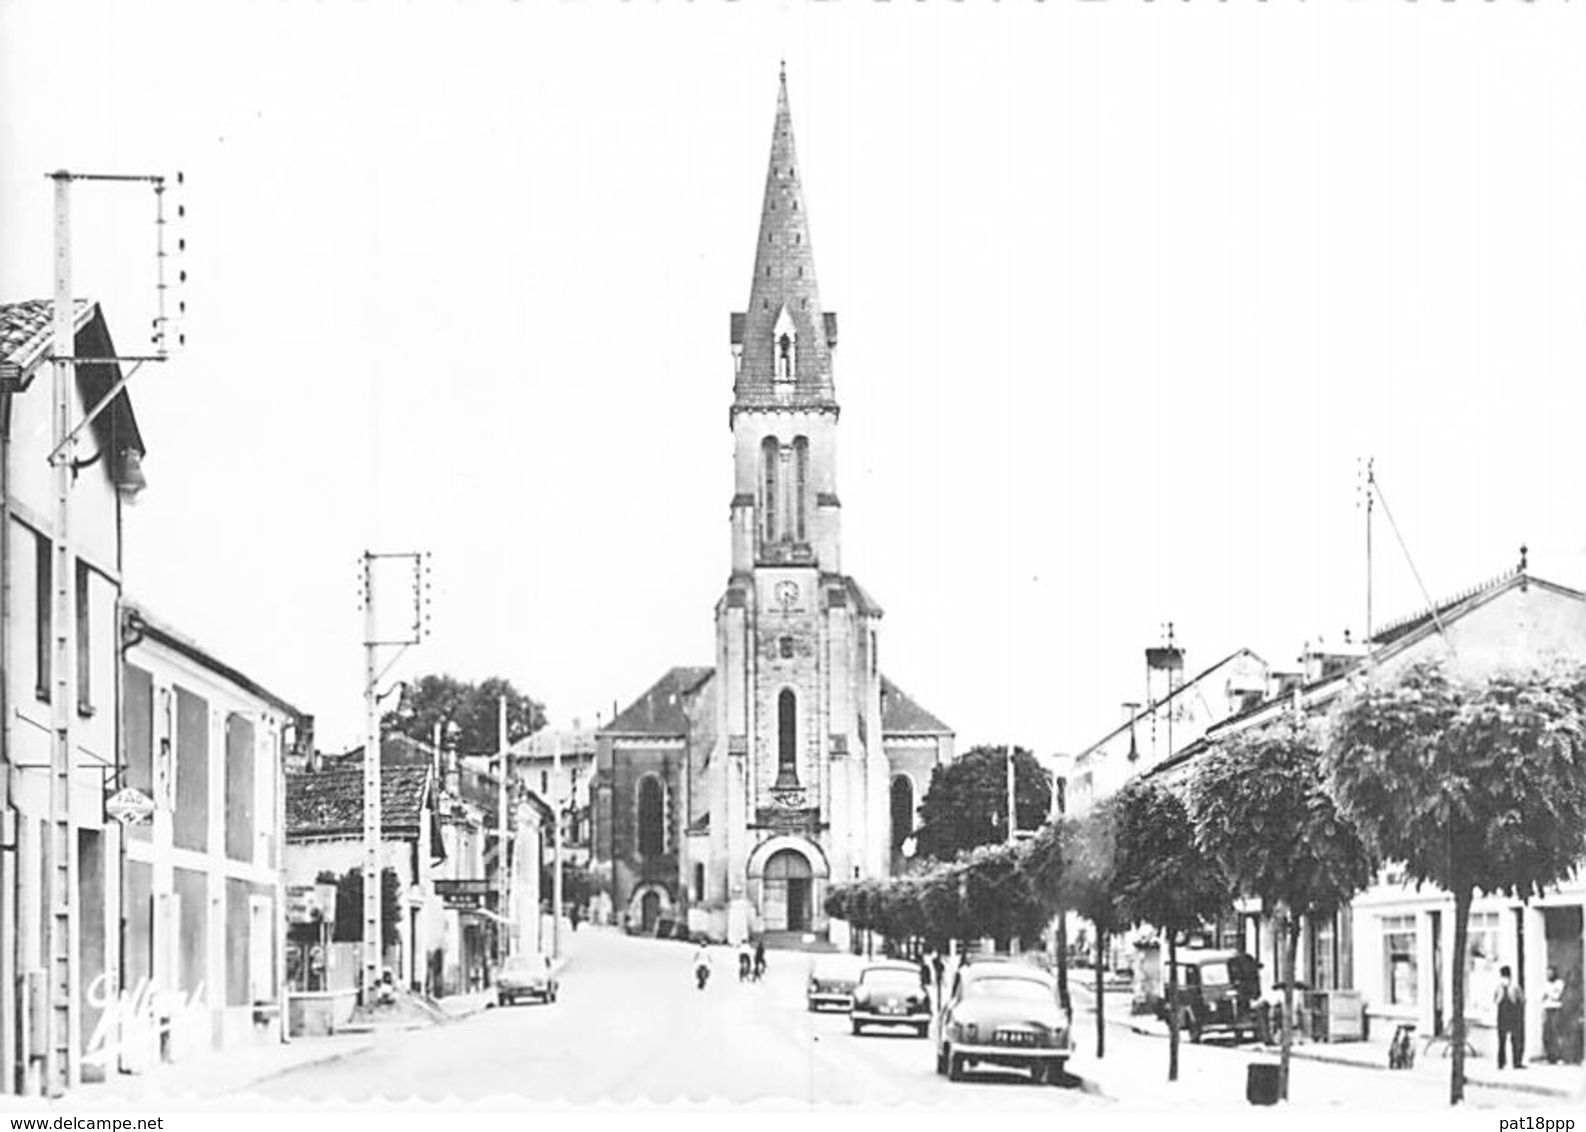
891,994
526,976
1218,993
832,979
1003,1013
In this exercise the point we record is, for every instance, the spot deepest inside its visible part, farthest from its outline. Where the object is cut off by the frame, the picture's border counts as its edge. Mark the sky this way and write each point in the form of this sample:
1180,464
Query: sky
1128,292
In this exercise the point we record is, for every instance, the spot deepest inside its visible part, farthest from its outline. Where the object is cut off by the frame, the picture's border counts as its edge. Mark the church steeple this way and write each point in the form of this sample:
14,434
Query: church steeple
783,342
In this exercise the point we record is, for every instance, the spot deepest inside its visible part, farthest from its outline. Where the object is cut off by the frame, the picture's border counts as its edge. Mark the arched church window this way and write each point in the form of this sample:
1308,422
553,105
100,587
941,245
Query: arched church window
784,357
902,809
787,773
770,458
801,463
652,817
785,346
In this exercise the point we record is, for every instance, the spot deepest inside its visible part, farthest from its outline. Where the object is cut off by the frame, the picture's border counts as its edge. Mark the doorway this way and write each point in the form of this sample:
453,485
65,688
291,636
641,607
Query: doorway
1437,971
649,912
1562,927
788,886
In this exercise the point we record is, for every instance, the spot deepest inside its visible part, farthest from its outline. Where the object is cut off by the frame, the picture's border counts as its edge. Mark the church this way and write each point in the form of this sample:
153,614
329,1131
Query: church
730,798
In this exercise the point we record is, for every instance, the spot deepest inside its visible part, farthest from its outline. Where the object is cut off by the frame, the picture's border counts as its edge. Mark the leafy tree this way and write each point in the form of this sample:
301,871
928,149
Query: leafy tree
1165,878
474,709
1088,884
1262,809
349,905
1474,784
966,803
1044,862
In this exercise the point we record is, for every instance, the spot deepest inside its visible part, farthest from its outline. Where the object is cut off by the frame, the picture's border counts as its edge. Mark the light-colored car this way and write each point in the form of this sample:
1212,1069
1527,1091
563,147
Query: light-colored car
891,994
1003,1013
832,979
526,976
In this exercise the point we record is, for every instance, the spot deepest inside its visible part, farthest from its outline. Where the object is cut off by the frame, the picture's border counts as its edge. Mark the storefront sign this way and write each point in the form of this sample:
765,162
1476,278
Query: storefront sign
466,895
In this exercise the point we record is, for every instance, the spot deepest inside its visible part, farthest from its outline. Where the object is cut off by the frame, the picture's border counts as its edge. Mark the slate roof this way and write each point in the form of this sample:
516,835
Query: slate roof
900,715
329,803
25,341
663,709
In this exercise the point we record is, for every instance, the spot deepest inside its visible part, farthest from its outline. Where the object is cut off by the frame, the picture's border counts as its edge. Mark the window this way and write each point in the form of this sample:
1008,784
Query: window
786,739
801,466
770,457
1481,964
545,784
1324,975
85,656
1398,946
44,620
785,647
652,817
902,810
699,884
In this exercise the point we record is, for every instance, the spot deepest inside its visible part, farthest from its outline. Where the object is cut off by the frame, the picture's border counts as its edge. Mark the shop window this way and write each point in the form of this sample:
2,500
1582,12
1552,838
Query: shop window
1398,946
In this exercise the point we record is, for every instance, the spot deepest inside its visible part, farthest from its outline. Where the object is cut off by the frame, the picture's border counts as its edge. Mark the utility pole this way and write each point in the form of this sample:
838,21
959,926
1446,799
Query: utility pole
61,1024
1013,817
556,845
503,925
373,928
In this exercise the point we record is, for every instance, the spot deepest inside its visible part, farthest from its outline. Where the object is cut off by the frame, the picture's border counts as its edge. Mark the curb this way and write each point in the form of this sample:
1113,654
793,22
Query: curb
330,1058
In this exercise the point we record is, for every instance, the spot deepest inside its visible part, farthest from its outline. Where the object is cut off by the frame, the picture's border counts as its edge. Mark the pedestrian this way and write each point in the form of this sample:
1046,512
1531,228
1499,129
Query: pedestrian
937,965
1510,1000
745,961
1552,1006
759,959
702,965
925,973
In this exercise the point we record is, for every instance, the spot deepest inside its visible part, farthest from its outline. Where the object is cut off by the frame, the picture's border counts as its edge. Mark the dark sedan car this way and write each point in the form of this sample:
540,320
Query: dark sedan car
890,994
1003,1014
832,980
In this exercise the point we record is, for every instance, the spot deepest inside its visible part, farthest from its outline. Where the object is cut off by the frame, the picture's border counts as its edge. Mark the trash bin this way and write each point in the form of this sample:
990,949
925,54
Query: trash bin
1261,1082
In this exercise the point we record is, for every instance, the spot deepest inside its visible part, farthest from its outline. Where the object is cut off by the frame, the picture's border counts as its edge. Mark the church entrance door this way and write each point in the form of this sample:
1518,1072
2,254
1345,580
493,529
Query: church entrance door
649,912
788,883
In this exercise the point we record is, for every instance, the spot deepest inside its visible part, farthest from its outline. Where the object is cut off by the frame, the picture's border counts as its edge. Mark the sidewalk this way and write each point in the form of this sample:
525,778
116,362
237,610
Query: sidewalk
1538,1079
216,1074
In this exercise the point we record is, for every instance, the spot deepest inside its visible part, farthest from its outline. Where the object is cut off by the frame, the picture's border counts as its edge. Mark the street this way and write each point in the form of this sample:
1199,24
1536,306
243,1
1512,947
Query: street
629,1026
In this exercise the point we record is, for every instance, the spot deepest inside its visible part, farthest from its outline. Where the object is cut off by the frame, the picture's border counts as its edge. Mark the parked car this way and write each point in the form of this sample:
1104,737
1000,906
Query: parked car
1219,992
832,980
891,994
526,976
1003,1013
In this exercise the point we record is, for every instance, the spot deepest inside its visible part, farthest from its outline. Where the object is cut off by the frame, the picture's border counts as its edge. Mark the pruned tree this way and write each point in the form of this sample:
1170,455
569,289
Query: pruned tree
966,804
467,713
1088,884
1165,878
349,905
1474,784
1262,809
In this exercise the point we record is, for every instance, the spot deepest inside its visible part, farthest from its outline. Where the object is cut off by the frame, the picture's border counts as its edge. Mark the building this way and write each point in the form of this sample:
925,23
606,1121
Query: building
558,765
735,795
1393,945
440,817
57,966
202,894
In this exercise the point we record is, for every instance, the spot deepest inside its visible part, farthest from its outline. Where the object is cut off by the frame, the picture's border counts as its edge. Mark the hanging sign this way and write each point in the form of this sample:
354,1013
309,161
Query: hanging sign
130,806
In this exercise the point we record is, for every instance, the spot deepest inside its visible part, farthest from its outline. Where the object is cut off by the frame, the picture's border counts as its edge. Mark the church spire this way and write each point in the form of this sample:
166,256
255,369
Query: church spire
784,340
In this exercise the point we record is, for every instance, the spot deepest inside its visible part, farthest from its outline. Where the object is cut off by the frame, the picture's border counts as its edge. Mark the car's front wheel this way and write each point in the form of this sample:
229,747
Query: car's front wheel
955,1067
941,1060
856,1025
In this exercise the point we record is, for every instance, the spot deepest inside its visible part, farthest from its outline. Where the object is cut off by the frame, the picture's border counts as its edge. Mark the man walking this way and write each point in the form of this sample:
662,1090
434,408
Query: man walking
1552,1005
1511,1018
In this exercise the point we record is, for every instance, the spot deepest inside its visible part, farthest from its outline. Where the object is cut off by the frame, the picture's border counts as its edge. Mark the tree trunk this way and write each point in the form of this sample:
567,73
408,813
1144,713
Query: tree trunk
1291,945
1101,994
1172,1008
1062,963
1456,1080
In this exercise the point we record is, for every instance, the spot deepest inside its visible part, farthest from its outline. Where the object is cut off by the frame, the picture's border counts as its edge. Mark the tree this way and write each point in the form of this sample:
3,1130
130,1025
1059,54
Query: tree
966,804
1262,810
349,905
1087,884
473,708
1474,784
1165,878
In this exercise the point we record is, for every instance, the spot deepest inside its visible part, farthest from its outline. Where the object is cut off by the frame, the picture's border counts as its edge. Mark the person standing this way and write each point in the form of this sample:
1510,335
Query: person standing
1511,1018
1552,1007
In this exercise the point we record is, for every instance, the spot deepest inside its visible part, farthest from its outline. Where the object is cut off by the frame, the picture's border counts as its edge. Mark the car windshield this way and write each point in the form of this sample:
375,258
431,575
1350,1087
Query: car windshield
890,980
1212,975
524,964
1026,990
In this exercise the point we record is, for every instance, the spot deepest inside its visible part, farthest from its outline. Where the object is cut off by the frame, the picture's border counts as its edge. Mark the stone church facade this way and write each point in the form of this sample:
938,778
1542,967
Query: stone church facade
732,797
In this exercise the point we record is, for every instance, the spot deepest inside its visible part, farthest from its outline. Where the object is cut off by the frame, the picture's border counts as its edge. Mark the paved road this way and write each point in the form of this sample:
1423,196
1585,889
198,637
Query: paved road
630,1027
